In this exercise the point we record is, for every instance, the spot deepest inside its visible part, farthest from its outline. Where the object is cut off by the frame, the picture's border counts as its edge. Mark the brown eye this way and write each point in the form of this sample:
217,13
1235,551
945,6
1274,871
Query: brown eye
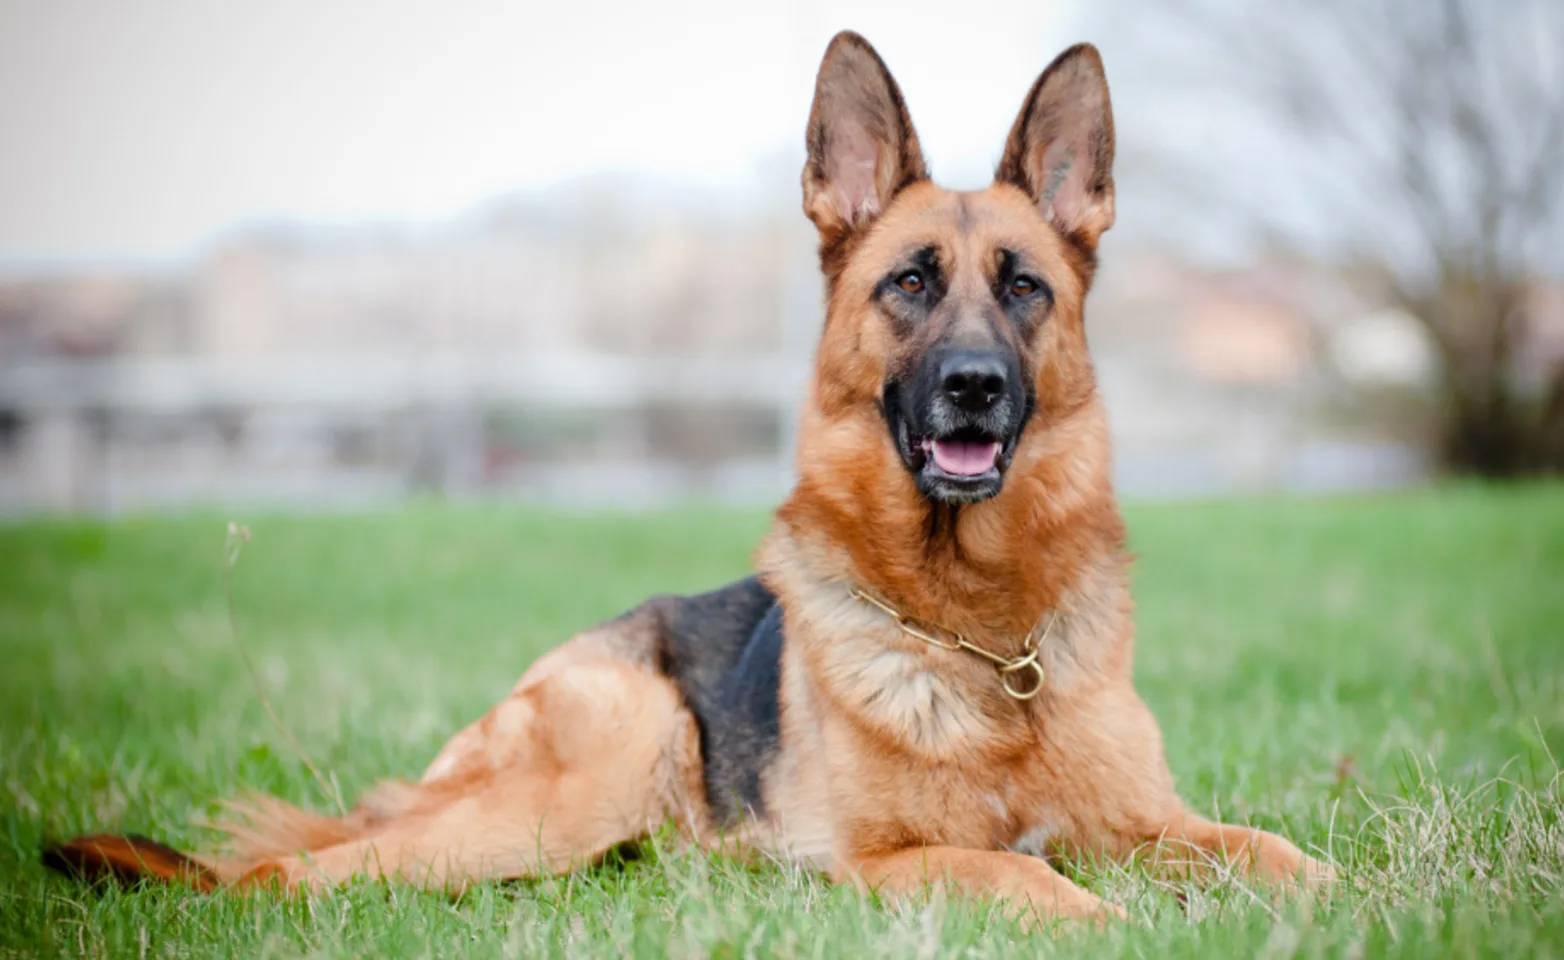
910,282
1023,286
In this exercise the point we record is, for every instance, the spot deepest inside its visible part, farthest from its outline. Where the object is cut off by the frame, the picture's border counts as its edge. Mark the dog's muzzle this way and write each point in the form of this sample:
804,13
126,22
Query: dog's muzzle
956,421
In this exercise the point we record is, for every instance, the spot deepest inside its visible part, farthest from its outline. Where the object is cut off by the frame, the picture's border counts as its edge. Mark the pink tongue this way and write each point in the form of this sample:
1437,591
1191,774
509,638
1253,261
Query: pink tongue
965,459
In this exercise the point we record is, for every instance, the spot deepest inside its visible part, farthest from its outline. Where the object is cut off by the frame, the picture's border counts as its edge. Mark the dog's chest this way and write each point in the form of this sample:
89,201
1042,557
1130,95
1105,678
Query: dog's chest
936,704
901,694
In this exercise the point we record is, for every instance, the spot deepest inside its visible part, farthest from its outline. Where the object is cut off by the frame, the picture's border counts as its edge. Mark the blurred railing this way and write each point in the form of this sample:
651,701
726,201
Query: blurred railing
359,381
103,436
106,436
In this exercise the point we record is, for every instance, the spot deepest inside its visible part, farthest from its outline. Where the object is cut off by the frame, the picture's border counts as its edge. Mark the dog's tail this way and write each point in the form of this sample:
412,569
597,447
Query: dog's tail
260,831
126,860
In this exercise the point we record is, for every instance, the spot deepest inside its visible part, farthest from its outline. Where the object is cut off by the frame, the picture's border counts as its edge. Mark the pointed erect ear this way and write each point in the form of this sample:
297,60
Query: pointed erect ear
862,148
1060,150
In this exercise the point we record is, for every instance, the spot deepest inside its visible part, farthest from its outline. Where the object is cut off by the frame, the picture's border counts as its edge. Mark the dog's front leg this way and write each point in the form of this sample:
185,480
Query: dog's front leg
1035,889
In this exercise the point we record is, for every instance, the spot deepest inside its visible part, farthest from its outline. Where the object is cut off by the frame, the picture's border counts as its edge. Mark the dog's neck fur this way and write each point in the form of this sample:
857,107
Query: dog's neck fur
989,570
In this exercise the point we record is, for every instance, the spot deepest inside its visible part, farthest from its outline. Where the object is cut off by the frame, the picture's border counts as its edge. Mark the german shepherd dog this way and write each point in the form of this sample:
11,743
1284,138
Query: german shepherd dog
928,683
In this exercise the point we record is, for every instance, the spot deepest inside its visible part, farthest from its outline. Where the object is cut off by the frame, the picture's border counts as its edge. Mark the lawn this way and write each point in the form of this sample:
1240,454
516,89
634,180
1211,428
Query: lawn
1379,678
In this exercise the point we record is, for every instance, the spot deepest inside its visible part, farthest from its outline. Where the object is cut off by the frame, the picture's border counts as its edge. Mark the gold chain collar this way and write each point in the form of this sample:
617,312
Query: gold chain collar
1031,649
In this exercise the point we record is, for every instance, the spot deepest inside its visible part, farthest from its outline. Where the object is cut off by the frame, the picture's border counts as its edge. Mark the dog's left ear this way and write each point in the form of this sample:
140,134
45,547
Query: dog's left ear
1060,150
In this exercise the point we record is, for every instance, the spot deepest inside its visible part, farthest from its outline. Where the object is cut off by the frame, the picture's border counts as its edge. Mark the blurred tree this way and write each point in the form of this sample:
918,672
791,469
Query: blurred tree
1423,144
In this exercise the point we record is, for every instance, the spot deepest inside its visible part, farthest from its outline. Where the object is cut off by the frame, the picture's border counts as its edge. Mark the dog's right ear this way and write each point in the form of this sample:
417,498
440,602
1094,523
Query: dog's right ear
862,148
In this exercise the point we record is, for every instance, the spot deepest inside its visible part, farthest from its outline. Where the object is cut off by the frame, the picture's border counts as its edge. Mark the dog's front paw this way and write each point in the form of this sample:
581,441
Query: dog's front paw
1317,876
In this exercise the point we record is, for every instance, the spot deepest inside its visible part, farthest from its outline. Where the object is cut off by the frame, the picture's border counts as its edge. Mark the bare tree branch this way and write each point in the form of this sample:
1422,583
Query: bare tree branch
1429,136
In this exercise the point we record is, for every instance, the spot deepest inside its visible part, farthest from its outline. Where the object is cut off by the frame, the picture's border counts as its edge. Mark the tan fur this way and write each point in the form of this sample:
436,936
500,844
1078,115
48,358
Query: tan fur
589,751
901,766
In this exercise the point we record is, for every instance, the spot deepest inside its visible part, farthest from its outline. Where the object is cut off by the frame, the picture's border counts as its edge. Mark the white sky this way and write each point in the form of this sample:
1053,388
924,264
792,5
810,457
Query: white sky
137,129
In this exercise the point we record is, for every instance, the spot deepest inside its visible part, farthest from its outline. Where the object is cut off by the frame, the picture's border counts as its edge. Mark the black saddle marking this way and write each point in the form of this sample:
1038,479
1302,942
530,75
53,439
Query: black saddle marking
723,650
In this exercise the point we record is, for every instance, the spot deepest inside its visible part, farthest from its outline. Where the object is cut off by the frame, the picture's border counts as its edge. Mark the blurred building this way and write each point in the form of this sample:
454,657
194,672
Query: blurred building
593,346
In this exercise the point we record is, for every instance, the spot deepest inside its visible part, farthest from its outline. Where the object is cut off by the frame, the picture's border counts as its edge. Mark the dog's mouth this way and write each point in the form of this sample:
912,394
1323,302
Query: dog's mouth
962,464
960,457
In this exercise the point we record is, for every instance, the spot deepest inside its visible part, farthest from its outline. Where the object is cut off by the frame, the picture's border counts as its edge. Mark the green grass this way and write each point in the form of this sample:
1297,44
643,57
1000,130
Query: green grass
1381,679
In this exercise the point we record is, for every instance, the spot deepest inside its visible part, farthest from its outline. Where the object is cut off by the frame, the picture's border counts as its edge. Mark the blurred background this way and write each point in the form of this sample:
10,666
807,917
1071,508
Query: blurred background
322,255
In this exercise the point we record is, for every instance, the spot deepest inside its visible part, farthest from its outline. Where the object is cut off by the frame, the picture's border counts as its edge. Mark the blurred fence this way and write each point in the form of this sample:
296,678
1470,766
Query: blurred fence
116,435
580,381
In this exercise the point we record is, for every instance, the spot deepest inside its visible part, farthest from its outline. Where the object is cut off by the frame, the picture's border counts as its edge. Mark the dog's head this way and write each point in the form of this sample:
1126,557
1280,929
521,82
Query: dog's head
955,318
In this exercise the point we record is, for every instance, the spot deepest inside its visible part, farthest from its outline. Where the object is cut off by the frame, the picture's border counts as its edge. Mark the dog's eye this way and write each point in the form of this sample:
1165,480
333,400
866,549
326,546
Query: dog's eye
1023,286
910,282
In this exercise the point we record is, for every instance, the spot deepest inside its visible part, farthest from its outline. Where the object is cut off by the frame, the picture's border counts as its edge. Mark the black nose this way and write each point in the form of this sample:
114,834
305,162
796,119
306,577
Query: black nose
972,381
